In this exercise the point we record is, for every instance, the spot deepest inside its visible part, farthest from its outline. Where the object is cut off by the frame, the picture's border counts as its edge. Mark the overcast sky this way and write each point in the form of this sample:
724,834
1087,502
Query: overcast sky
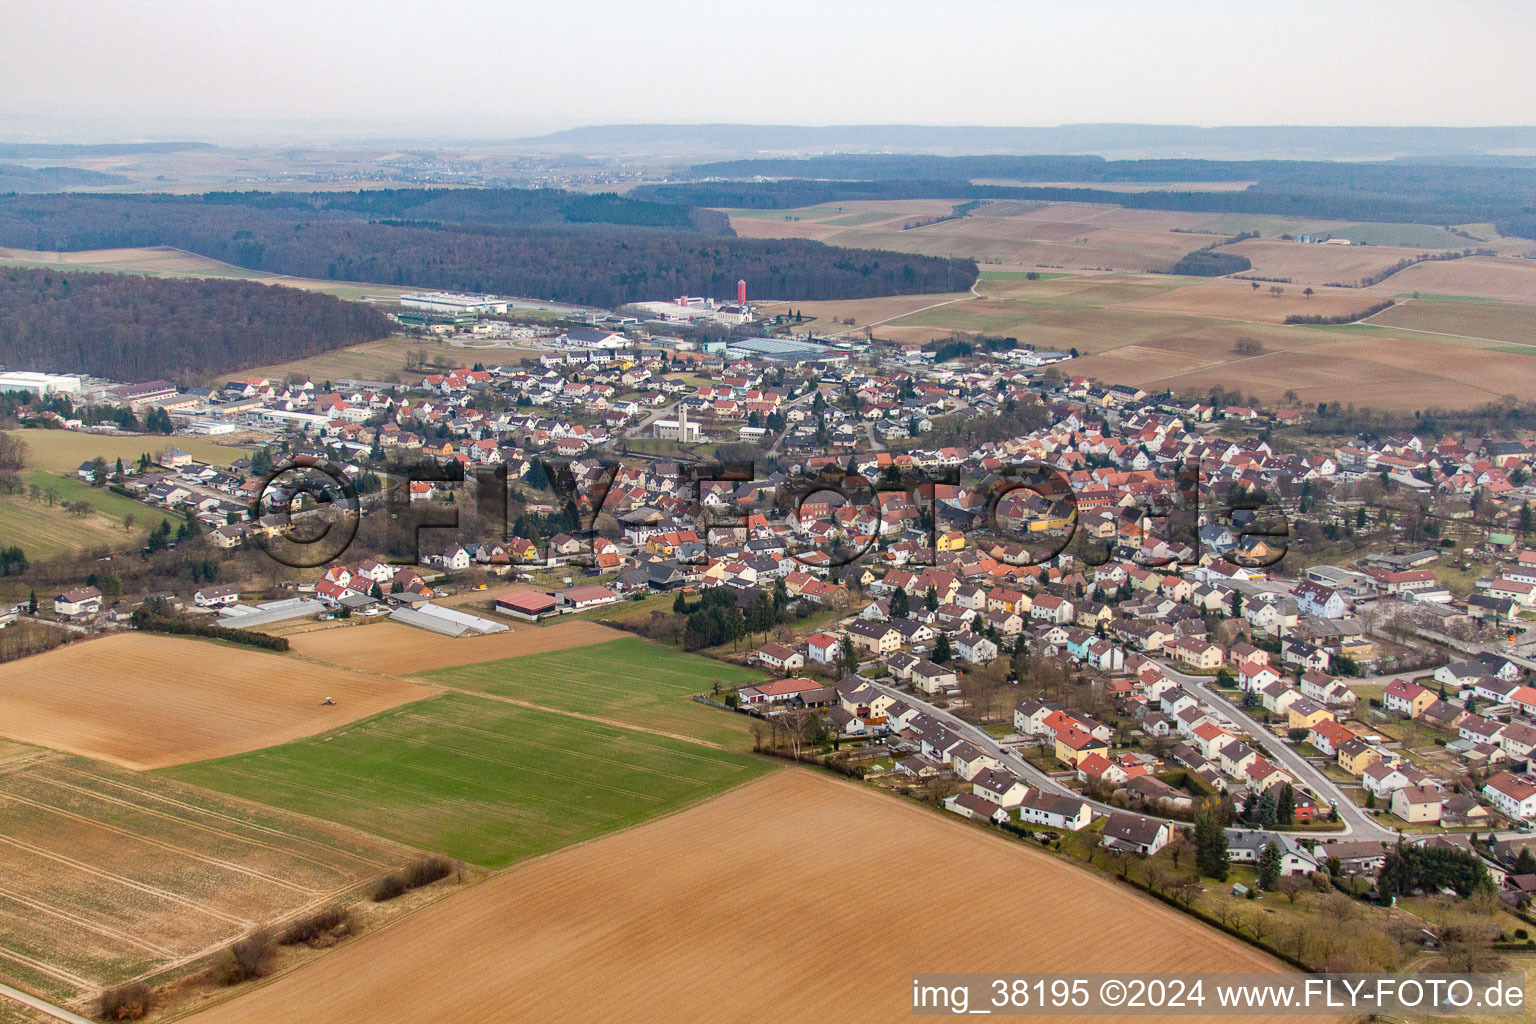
513,67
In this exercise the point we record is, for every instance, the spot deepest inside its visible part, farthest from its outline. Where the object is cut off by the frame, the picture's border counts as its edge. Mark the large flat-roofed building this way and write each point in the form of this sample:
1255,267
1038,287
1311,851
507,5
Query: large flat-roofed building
40,383
783,350
453,302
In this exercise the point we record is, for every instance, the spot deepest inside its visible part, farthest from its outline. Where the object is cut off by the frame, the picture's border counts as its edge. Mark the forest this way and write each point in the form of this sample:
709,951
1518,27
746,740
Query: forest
1391,191
1205,263
601,250
142,328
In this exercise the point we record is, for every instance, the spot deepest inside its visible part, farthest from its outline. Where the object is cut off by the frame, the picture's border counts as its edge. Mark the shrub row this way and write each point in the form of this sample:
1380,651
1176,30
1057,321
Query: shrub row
127,1002
318,929
181,627
247,959
1342,318
423,872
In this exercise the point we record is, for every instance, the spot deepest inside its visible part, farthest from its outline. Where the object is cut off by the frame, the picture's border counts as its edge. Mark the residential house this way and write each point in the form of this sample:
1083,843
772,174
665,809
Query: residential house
1514,795
1061,812
79,603
1136,834
1406,698
1417,804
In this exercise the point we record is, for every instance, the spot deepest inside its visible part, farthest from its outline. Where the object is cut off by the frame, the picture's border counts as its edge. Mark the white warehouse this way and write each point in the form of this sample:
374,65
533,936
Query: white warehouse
453,302
40,383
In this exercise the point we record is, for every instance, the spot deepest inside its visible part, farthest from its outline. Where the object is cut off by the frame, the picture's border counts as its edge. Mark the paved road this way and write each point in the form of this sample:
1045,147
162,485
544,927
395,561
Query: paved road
44,1007
643,428
1040,780
1360,824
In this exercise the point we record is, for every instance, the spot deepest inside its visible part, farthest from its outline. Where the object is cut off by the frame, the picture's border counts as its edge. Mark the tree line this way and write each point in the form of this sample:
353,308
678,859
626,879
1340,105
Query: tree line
142,328
515,248
1386,192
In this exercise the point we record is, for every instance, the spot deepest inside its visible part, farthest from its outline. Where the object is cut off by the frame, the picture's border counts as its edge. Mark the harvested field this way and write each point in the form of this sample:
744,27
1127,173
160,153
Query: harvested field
829,315
1231,298
383,360
1483,319
631,681
1034,240
401,650
107,875
1485,277
480,779
544,943
1367,368
146,701
1316,264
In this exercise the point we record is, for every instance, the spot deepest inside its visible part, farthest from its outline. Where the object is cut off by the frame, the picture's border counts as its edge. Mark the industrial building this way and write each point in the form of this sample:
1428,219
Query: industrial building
453,302
783,350
40,383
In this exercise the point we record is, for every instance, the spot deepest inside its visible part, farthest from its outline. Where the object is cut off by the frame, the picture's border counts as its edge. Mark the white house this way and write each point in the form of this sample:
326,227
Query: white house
79,603
217,597
822,647
780,657
1514,795
1063,812
975,648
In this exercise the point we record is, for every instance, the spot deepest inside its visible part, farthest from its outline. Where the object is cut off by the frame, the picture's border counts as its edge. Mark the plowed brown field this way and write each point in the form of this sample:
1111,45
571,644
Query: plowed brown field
147,701
401,650
739,910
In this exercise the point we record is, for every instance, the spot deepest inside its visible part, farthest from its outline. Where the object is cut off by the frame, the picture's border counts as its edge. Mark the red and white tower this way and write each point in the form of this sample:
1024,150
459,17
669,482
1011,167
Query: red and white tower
741,293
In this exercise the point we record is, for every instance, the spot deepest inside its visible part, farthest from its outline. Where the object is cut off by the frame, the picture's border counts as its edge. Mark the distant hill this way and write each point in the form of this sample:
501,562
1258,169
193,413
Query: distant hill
1110,140
77,151
16,178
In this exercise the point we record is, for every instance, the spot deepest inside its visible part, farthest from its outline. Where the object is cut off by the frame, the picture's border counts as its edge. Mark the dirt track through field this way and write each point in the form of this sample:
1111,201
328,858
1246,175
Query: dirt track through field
743,908
392,648
145,701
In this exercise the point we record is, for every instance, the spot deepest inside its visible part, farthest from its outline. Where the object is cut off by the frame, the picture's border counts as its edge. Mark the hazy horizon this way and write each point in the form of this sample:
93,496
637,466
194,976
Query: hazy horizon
465,70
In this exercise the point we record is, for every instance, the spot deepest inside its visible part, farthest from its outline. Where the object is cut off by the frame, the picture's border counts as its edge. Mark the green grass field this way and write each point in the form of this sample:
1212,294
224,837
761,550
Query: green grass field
62,451
43,530
478,779
630,680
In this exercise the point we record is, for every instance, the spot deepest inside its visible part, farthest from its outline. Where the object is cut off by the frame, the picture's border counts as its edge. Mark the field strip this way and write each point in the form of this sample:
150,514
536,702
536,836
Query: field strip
518,767
577,731
426,820
559,776
48,969
88,925
1232,362
128,882
609,722
164,845
598,719
220,815
21,762
43,1007
152,812
1441,334
947,302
